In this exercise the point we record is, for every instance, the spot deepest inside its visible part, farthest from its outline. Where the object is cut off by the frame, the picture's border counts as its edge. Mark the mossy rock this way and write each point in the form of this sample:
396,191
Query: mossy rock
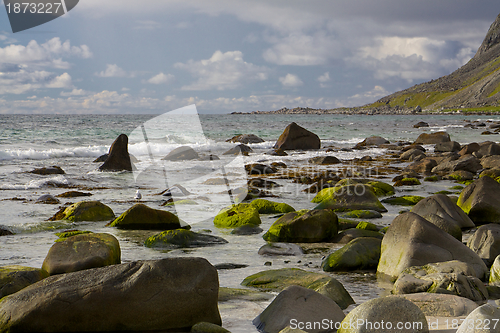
407,200
431,179
367,226
66,234
348,235
252,295
362,214
181,202
444,192
279,279
347,198
142,217
492,173
407,182
269,207
466,182
495,272
86,211
359,254
347,224
384,229
14,278
237,215
380,189
311,227
182,238
457,187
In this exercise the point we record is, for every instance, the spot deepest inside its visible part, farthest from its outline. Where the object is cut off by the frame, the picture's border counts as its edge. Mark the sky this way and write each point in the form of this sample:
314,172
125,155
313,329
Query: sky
153,56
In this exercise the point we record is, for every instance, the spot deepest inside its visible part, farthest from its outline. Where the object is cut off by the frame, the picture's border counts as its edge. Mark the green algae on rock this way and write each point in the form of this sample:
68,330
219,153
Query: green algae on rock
66,234
407,200
237,216
407,182
85,211
367,226
269,207
182,238
14,278
142,217
362,214
348,197
359,254
481,201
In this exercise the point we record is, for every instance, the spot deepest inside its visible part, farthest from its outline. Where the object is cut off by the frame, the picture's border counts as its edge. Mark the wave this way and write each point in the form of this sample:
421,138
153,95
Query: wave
43,154
56,181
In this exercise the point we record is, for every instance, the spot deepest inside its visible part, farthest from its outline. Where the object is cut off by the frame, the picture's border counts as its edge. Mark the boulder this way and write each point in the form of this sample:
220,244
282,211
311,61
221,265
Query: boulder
228,294
466,163
450,146
52,170
407,200
140,216
168,294
367,226
441,305
421,124
407,182
81,252
280,249
259,169
14,278
246,139
47,199
4,231
324,160
295,137
484,319
317,225
489,149
279,279
85,211
486,242
118,157
239,149
492,173
348,235
362,214
262,183
481,201
246,229
101,158
380,189
349,197
424,166
387,311
373,141
269,207
461,175
469,149
432,138
490,162
181,238
452,277
359,254
298,305
411,154
276,152
237,216
413,241
495,272
69,233
183,153
74,194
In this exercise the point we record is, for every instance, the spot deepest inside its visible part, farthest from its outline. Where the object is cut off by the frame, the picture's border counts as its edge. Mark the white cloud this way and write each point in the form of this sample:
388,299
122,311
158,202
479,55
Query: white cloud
46,54
291,81
147,25
367,97
74,92
222,71
112,70
323,79
6,39
24,80
161,78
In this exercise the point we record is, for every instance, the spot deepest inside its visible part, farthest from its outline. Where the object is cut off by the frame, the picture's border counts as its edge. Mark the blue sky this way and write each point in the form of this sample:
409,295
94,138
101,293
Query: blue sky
153,56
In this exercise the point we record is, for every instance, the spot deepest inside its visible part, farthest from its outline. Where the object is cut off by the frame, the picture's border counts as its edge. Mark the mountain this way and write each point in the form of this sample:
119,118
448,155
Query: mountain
474,86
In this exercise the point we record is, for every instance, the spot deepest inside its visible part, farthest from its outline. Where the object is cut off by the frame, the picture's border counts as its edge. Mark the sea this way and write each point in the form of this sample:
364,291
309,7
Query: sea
73,142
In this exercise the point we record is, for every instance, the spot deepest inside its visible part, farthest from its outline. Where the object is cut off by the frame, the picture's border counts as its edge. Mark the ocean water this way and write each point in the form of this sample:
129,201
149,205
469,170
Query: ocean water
73,142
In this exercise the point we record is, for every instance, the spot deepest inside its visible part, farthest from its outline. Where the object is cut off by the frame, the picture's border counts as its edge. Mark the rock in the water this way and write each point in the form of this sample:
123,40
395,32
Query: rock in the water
246,139
134,296
490,162
372,141
481,201
359,254
432,138
279,279
449,146
317,225
140,216
85,211
391,309
324,160
180,238
441,305
421,124
413,241
118,157
466,163
259,169
424,166
101,158
81,252
280,249
348,235
262,183
411,154
276,152
183,153
349,197
495,272
269,207
47,199
247,229
4,231
489,149
14,278
362,214
52,170
407,200
453,277
484,319
298,304
469,149
239,149
74,194
295,137
237,216
486,242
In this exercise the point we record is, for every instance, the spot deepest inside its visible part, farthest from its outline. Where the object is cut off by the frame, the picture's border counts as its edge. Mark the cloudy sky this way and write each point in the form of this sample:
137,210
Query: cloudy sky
153,56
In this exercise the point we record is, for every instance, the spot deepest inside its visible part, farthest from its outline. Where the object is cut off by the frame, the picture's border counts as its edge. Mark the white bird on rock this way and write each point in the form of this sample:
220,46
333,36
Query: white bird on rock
138,195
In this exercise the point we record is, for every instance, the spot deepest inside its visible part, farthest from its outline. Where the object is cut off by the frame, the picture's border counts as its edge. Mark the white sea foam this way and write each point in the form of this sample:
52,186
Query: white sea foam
37,184
43,154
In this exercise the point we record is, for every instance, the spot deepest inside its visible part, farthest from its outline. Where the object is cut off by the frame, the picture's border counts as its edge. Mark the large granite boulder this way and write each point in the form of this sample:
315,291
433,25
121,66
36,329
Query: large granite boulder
486,242
446,147
296,305
118,157
317,225
237,216
295,137
81,252
441,305
359,254
387,311
490,162
279,279
432,138
168,294
245,138
411,240
466,163
270,207
181,238
140,216
349,197
423,166
85,211
412,154
481,201
484,319
14,278
183,153
489,149
52,170
372,141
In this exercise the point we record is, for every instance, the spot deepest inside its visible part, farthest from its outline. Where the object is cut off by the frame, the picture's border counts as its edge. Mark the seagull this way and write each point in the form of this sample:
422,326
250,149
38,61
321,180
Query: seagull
138,195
